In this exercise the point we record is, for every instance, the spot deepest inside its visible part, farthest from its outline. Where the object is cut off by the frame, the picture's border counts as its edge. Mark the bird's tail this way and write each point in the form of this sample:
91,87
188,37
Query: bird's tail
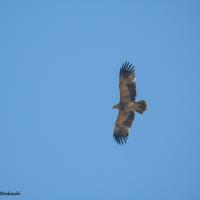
141,106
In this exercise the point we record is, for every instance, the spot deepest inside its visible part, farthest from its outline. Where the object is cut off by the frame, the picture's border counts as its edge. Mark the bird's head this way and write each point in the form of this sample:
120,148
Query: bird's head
116,106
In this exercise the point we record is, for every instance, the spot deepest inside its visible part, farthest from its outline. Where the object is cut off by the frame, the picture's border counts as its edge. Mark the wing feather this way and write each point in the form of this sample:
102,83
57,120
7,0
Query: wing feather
122,126
127,83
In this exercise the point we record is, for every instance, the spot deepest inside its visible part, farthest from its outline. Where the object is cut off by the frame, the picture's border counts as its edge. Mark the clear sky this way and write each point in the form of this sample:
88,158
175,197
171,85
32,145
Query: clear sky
59,80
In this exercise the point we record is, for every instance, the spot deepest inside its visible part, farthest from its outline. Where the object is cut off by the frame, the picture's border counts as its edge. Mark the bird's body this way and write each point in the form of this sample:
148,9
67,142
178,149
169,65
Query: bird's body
125,108
127,105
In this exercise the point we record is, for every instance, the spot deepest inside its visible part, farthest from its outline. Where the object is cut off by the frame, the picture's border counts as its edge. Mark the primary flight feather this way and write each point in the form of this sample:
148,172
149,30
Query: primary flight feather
127,105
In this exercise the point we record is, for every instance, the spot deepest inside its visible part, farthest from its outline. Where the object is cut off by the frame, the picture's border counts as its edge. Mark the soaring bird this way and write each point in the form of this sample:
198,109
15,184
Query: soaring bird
127,105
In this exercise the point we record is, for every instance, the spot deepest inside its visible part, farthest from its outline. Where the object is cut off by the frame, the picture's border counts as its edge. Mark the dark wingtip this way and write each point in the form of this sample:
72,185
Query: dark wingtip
120,139
127,68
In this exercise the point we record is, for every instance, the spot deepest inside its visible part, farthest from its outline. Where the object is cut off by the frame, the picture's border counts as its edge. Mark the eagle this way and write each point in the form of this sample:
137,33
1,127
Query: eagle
127,105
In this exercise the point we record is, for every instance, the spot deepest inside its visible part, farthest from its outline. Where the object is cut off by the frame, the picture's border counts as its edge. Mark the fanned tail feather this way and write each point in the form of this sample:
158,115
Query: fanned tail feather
141,106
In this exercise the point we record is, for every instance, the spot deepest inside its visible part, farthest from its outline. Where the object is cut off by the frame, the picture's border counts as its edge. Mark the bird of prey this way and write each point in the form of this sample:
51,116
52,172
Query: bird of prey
127,105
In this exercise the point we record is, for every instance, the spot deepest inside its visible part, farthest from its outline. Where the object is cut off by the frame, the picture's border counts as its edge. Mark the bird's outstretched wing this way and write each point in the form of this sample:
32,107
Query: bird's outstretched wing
127,83
122,126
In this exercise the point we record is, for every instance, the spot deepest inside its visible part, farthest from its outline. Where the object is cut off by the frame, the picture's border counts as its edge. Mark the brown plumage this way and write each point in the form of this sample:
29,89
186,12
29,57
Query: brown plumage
127,105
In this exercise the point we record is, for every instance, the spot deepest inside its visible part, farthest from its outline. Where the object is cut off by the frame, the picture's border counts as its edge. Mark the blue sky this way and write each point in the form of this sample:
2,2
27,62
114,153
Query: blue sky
59,80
